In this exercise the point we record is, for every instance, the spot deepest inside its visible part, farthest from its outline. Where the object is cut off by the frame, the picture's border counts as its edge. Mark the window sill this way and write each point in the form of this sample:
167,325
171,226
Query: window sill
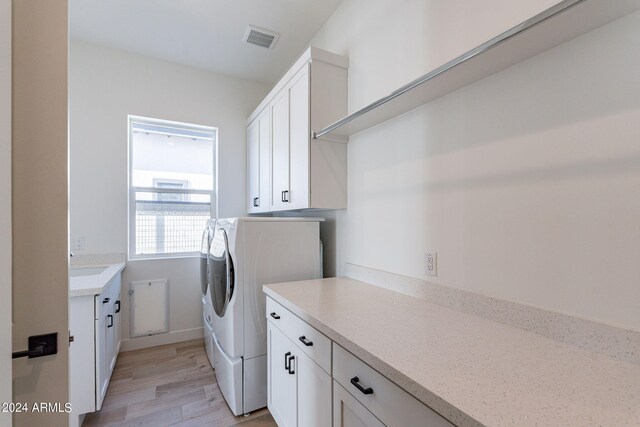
159,257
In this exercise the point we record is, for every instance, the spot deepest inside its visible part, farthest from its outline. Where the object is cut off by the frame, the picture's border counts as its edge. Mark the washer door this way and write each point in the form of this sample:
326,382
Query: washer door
204,265
221,273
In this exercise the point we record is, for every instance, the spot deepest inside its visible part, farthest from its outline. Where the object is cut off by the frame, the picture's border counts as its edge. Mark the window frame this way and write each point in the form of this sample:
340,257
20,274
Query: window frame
213,193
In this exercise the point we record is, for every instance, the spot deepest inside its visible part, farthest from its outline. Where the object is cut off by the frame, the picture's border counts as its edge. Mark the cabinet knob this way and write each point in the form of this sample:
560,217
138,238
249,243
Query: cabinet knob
106,300
274,315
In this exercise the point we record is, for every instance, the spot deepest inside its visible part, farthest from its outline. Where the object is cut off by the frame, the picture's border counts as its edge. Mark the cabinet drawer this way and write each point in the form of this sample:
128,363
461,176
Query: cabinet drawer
105,301
349,412
388,402
313,343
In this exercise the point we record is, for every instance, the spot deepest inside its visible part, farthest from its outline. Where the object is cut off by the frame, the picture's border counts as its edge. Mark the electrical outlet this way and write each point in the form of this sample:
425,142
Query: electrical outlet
78,243
431,264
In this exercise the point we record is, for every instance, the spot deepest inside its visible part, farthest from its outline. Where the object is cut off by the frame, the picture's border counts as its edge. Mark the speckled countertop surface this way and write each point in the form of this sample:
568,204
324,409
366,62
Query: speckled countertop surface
471,370
93,284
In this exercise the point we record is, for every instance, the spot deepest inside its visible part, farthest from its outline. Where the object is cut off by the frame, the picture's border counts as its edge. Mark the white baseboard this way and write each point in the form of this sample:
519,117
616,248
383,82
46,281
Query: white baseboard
161,339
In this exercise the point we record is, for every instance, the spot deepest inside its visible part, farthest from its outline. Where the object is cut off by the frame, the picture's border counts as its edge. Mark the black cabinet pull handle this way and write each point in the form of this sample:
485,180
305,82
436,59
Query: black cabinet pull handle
106,300
286,360
290,370
274,315
355,382
255,202
286,196
282,196
110,318
118,309
305,341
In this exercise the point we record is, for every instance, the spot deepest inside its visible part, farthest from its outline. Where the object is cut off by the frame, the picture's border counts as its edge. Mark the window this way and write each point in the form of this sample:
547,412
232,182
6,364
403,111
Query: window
171,186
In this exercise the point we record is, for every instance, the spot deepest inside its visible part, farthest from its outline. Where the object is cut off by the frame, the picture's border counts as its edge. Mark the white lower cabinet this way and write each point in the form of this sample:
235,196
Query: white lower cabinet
282,392
315,382
314,393
94,323
299,390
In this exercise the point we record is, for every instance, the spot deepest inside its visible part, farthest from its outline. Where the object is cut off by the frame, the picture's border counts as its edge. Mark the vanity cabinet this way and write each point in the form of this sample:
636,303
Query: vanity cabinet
94,323
107,336
313,381
286,168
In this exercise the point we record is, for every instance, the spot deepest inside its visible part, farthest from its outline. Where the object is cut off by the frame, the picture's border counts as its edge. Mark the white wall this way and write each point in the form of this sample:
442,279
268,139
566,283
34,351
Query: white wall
527,183
5,207
105,85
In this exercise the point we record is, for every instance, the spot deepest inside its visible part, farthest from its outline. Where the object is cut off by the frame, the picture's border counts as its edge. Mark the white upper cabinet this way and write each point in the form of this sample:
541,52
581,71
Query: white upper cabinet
280,151
258,160
294,170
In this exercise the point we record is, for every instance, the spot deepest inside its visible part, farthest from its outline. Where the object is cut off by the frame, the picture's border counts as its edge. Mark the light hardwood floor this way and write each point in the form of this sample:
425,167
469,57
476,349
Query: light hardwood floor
171,385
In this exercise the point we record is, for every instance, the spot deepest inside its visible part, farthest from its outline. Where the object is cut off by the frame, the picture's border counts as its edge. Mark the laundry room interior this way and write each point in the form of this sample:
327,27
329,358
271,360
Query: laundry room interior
320,213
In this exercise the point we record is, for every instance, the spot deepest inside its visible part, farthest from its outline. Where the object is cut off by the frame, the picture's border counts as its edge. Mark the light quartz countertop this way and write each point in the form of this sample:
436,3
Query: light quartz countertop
470,370
93,284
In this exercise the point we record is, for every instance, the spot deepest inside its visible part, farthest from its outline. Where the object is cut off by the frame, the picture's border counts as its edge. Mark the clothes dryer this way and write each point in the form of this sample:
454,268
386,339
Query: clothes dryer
244,255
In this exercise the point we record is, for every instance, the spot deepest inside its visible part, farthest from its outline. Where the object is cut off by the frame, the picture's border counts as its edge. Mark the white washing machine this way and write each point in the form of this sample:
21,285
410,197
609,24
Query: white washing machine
246,253
207,308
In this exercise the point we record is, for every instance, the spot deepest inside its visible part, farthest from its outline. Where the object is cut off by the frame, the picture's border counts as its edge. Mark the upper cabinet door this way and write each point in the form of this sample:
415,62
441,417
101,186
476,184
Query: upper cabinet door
299,134
258,161
253,166
280,151
264,200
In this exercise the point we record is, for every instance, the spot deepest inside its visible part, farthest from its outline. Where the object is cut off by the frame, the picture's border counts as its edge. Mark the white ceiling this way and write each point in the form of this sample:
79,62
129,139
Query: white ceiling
205,34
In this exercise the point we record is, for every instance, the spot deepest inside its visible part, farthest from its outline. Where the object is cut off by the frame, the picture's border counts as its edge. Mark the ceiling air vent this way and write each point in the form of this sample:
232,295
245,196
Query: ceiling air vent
260,37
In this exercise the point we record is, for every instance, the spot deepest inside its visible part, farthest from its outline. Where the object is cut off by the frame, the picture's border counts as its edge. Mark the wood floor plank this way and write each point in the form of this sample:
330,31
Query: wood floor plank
129,384
166,418
265,420
160,404
120,400
179,388
172,365
213,409
105,417
196,372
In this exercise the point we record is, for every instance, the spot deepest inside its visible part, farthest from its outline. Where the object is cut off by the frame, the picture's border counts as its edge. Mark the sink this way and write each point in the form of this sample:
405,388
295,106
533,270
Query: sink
86,271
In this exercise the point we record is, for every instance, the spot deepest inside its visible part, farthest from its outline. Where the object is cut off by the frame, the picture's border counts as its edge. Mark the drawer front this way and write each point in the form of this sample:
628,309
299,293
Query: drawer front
388,402
349,412
313,343
106,300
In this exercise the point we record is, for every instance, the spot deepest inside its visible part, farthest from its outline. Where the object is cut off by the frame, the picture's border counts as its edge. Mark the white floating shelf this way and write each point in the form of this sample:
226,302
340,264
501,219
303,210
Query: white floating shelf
552,27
